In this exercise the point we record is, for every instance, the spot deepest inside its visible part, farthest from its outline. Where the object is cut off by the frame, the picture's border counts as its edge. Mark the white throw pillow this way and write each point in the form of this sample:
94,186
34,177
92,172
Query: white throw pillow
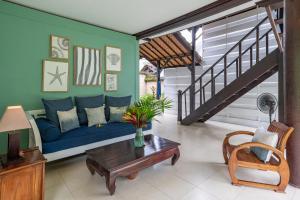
266,137
95,116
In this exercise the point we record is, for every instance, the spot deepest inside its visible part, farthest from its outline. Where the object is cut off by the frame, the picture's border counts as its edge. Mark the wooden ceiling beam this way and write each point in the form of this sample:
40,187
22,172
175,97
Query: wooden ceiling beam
161,38
149,50
161,52
144,53
201,13
176,45
185,46
154,40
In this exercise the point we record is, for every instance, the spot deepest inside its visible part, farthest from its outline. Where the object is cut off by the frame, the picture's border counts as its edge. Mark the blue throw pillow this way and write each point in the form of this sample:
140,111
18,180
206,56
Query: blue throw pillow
52,106
48,130
87,102
115,102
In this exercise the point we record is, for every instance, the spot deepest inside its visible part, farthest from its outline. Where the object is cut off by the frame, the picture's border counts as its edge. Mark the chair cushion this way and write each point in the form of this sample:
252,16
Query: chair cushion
87,102
48,130
52,106
95,116
115,102
87,135
68,120
266,137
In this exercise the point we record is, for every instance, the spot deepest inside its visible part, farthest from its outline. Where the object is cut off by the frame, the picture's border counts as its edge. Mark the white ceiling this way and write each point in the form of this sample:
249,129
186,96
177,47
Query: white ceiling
129,16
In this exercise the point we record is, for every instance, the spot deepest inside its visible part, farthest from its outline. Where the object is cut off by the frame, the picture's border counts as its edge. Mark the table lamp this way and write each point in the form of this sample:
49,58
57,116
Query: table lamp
13,120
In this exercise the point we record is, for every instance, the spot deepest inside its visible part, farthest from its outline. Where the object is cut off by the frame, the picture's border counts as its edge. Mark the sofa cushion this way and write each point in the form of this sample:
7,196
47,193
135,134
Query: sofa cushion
68,120
115,102
87,135
116,113
48,130
87,102
95,116
52,106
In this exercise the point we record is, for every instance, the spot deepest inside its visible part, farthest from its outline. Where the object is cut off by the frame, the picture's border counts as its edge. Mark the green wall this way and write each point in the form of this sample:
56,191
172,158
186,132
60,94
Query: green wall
24,40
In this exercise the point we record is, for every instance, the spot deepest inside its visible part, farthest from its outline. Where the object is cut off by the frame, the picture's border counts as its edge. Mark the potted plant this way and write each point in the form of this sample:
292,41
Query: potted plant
144,111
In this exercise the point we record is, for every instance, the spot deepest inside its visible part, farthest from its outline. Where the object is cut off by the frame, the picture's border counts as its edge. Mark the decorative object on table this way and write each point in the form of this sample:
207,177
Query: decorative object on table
87,66
59,47
113,58
143,111
13,120
55,76
239,156
111,82
267,103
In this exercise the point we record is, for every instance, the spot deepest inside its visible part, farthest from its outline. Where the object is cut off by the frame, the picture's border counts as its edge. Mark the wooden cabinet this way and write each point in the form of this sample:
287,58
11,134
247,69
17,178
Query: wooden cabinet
24,180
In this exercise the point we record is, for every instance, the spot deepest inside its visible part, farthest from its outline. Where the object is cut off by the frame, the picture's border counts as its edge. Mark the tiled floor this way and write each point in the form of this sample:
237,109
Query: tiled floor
199,173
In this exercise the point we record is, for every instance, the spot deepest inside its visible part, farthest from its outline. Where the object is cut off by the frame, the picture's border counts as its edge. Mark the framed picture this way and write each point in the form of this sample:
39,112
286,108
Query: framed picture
59,47
113,56
111,82
87,66
55,76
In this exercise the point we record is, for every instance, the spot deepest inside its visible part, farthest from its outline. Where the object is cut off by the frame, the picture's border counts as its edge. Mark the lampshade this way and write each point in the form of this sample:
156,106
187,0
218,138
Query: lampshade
13,119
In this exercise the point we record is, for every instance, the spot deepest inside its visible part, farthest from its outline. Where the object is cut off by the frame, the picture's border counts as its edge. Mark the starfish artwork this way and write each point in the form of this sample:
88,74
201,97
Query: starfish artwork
56,76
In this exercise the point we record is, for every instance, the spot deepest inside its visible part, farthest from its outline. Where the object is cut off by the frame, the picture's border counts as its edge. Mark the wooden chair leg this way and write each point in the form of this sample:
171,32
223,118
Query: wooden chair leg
225,152
232,167
284,173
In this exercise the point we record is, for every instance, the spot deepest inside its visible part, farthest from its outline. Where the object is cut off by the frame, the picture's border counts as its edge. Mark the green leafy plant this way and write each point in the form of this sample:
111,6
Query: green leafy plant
145,110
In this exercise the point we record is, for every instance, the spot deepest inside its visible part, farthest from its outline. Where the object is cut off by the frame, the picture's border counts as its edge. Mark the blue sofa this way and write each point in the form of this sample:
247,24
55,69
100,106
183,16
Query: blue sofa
81,136
46,133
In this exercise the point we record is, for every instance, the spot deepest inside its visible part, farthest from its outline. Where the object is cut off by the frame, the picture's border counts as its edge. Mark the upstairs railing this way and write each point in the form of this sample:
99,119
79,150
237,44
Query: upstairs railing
212,73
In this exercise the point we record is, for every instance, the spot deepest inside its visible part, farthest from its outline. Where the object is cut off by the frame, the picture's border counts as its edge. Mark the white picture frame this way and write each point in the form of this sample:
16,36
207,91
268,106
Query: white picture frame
113,59
111,82
59,47
55,76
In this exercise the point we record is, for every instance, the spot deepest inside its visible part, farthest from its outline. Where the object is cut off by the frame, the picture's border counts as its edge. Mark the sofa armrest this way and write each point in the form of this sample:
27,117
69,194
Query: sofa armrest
34,133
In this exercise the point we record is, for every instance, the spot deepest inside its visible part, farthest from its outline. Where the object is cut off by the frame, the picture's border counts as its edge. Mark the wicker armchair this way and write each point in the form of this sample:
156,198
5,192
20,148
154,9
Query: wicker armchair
241,156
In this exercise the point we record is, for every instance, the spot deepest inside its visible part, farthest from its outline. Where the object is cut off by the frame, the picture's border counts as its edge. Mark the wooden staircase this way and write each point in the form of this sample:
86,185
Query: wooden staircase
263,64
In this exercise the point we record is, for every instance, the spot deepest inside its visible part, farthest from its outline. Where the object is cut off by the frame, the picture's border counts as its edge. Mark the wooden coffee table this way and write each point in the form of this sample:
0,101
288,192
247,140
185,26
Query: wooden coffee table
123,159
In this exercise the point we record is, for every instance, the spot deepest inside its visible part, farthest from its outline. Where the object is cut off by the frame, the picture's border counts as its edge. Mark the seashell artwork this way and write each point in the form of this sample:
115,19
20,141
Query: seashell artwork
59,47
113,59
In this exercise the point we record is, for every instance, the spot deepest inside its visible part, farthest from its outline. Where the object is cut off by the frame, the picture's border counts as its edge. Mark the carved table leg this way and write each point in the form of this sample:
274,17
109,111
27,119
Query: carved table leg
90,166
111,183
176,156
132,176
